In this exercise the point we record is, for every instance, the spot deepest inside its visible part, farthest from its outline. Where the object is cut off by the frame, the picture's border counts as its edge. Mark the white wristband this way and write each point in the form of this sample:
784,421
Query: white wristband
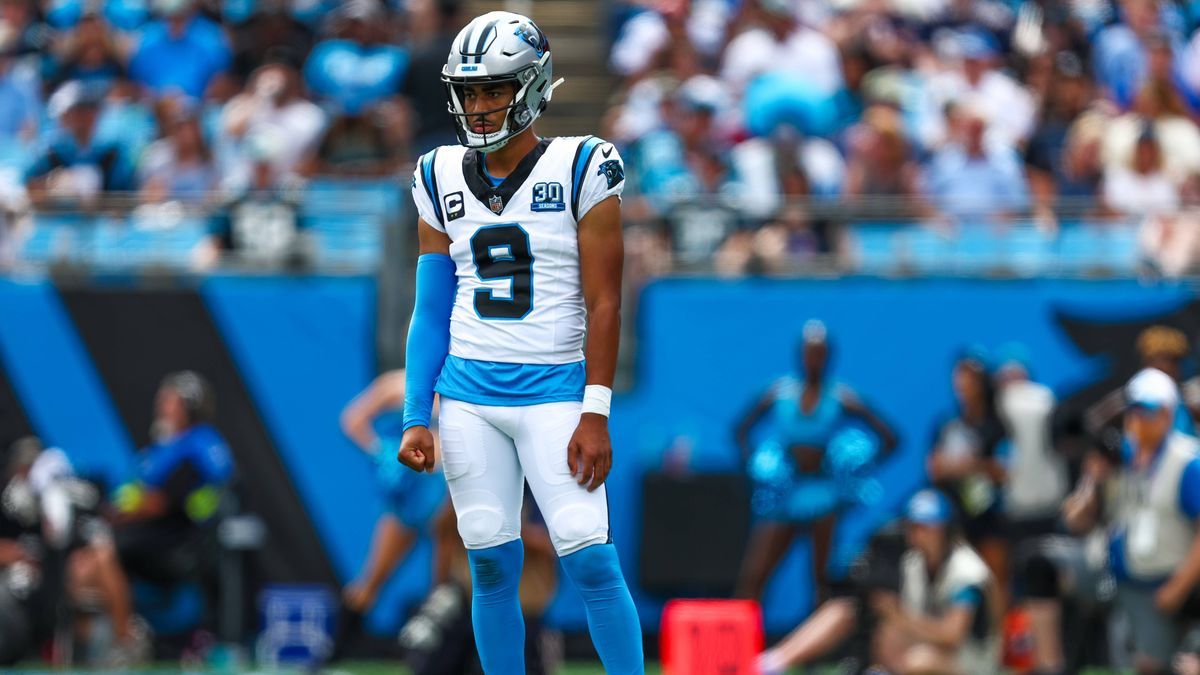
597,398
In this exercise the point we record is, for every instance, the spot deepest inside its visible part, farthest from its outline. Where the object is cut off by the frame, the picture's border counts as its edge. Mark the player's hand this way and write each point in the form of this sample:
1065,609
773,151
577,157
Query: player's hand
416,449
589,454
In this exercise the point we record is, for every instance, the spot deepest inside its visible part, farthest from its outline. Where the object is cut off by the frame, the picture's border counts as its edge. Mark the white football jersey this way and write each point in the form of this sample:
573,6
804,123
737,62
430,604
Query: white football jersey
515,245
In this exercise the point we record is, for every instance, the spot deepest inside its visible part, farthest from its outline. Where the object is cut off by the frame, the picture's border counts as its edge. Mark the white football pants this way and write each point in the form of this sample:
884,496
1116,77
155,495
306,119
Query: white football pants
487,454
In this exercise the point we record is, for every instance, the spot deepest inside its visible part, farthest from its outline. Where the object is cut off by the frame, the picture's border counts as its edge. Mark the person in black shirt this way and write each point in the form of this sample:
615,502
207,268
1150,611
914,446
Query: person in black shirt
26,607
1059,166
426,96
964,465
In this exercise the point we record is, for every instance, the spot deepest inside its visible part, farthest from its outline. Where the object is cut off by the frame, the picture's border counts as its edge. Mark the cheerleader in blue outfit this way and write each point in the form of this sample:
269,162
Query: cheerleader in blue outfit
373,421
809,465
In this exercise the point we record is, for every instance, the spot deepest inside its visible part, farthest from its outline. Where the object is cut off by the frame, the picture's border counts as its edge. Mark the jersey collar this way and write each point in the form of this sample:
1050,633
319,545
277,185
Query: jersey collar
497,198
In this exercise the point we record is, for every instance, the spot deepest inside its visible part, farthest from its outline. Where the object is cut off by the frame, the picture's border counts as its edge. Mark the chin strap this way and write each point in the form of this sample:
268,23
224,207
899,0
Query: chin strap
550,91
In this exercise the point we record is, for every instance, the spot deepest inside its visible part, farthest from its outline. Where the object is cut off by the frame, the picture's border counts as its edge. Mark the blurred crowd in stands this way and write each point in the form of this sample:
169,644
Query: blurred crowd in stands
179,105
755,130
792,117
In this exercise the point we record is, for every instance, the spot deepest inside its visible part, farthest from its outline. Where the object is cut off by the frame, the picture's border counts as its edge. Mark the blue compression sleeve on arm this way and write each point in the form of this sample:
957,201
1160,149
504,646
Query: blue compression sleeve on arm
428,335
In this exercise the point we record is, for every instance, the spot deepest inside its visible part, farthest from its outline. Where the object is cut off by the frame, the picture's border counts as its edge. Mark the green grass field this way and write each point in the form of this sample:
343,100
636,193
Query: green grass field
389,668
392,668
348,668
386,669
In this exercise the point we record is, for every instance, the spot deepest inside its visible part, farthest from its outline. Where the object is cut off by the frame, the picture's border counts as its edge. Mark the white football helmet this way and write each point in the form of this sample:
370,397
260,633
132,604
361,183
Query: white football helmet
499,47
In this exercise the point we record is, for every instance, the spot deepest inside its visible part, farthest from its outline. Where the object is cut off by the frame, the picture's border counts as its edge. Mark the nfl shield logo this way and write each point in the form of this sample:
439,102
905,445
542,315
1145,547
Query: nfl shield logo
496,204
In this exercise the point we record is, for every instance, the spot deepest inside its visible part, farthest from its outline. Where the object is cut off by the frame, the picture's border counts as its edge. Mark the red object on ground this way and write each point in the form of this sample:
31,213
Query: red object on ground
717,637
1018,641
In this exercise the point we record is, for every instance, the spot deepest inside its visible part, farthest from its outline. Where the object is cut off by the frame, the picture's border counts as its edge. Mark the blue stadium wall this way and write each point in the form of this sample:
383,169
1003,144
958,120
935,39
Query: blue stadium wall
79,365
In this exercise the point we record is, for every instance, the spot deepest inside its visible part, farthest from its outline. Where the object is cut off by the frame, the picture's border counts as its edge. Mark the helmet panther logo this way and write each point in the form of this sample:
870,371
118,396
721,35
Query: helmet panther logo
533,37
613,171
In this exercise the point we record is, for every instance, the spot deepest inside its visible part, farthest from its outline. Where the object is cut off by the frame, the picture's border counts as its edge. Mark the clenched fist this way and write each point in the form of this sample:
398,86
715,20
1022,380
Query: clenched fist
417,450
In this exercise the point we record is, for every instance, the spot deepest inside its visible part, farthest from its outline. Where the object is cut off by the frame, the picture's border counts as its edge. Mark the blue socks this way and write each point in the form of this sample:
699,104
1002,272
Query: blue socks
612,618
496,608
500,628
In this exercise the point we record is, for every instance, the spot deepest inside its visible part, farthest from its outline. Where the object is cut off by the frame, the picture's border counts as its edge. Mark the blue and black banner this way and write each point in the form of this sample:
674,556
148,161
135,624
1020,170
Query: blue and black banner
80,365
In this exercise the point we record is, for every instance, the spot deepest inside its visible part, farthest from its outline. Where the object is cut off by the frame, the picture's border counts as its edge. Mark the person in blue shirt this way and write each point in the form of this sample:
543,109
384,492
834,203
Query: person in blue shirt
180,53
972,181
804,413
355,68
412,499
1154,550
20,97
162,516
74,160
1121,52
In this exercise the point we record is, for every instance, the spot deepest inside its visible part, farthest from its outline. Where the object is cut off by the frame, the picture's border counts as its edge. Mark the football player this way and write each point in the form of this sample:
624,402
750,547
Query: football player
520,259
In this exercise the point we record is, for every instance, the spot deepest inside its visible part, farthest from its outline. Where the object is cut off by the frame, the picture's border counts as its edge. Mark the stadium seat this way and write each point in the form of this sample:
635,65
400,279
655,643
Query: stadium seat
1027,251
1107,248
1015,250
333,195
346,240
876,248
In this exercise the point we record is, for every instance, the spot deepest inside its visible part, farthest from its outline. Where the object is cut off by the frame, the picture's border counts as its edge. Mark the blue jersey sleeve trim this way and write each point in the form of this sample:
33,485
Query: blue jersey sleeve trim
583,158
428,335
430,180
1189,489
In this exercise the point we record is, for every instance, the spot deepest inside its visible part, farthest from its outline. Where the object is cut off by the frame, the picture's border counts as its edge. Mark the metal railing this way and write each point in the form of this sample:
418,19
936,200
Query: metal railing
327,228
890,236
353,226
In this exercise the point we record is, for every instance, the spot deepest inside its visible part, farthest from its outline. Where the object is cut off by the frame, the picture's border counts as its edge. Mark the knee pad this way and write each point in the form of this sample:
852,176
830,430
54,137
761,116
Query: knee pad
575,526
1041,578
481,520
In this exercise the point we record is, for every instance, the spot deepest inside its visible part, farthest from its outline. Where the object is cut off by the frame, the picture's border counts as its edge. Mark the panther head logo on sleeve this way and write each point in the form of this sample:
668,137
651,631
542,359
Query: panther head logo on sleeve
612,170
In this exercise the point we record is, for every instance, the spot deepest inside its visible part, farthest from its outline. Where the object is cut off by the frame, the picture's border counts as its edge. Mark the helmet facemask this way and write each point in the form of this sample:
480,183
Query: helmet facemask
518,117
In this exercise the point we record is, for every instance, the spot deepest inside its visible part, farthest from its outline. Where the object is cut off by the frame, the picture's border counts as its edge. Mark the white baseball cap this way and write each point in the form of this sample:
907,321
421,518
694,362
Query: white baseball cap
1152,388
